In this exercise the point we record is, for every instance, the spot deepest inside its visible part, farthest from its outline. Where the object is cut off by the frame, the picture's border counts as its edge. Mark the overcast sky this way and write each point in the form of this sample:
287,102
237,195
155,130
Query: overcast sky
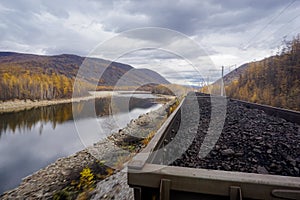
232,32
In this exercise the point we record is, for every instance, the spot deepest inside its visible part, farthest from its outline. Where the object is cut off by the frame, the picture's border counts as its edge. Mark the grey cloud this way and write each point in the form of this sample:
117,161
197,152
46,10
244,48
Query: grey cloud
42,25
150,54
58,11
255,4
191,16
75,26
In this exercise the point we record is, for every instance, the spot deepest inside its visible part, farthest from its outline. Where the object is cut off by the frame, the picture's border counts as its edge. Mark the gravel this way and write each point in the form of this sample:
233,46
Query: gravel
114,187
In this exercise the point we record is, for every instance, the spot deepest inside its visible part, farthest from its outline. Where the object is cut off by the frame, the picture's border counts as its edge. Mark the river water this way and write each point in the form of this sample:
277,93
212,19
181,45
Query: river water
32,139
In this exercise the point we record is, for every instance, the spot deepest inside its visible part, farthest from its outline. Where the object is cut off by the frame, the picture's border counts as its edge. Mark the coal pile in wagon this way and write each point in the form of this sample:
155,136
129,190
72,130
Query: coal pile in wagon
250,141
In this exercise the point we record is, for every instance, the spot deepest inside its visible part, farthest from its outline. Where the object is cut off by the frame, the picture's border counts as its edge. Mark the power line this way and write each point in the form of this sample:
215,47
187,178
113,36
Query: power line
279,29
298,28
282,27
270,22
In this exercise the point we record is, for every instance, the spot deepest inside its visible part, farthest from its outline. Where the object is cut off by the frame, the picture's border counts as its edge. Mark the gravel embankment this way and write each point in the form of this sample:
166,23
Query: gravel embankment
46,182
114,187
250,141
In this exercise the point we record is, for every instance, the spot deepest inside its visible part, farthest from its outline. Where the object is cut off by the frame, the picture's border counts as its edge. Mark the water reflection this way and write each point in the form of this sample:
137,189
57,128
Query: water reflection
32,139
26,120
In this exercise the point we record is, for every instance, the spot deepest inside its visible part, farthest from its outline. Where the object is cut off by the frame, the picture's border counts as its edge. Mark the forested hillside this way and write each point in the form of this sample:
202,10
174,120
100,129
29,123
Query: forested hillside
171,89
26,76
274,81
34,86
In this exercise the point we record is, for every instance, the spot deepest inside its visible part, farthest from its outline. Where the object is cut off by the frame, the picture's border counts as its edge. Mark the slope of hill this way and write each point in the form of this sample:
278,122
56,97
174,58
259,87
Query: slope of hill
274,81
28,76
235,74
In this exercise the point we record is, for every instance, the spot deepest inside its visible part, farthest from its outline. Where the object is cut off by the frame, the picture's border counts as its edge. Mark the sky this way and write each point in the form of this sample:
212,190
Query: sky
230,32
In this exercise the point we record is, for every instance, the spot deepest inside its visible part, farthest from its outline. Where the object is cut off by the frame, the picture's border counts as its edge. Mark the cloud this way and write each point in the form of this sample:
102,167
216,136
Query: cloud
173,67
229,32
49,28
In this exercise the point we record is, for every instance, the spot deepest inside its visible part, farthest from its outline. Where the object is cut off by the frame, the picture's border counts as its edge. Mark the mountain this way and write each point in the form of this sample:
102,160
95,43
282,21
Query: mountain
274,81
28,76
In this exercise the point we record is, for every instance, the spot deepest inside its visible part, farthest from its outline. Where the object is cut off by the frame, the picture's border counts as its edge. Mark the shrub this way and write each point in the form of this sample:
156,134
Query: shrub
86,181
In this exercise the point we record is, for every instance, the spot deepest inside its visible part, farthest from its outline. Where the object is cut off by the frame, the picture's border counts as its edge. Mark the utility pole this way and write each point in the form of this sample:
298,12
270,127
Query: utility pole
222,83
207,80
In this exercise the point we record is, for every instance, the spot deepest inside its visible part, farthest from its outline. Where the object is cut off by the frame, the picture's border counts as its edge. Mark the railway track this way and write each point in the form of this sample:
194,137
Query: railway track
252,152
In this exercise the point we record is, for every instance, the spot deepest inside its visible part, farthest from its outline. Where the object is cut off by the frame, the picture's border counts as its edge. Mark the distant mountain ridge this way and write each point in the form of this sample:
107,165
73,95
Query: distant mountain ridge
21,72
68,65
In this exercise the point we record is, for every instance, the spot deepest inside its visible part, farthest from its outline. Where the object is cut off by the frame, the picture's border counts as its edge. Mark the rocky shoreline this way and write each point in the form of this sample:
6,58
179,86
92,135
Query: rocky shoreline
46,182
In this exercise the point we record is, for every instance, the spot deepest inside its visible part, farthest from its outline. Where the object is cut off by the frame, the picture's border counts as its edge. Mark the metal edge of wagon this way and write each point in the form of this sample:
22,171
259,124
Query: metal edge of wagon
153,181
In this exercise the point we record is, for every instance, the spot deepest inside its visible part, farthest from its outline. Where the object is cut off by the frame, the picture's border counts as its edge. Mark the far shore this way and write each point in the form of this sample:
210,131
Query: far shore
19,105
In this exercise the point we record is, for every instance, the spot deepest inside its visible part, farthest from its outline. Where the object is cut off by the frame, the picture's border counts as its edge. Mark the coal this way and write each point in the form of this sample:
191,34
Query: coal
250,141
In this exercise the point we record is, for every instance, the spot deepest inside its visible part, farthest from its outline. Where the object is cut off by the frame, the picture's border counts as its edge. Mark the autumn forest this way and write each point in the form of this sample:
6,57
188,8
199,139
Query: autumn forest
273,81
34,77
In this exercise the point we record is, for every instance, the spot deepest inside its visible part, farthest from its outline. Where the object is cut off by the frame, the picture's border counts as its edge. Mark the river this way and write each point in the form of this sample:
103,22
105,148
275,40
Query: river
32,139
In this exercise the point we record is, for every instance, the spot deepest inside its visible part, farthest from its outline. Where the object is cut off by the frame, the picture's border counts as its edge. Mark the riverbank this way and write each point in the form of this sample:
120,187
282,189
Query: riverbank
19,105
110,153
